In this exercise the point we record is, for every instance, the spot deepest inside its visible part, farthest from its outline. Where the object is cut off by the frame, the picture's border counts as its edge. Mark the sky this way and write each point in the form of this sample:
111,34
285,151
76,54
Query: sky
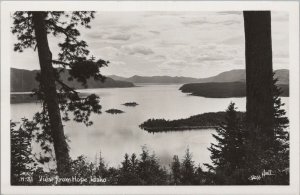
192,44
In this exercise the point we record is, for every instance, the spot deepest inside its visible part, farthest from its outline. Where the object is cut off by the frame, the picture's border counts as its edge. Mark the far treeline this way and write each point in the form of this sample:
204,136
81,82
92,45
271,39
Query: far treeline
223,90
246,147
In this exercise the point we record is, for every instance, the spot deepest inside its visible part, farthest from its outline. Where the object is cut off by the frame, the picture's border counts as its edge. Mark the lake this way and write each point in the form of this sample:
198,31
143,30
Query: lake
115,135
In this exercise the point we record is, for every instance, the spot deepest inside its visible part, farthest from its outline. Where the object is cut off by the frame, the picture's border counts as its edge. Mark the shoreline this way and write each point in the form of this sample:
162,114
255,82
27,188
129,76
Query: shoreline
180,128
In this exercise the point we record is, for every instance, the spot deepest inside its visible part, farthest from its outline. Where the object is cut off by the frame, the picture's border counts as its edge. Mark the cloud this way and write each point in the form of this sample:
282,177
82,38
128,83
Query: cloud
205,21
230,13
117,63
94,35
213,58
236,40
159,57
137,49
228,22
127,27
197,44
120,37
154,32
173,63
107,53
196,22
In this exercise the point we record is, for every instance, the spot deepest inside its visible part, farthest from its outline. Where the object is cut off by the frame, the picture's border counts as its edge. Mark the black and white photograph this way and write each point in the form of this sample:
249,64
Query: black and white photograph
150,94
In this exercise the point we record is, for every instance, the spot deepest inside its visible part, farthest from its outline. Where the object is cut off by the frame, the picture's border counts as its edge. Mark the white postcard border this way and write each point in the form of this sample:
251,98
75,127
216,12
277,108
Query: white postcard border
289,6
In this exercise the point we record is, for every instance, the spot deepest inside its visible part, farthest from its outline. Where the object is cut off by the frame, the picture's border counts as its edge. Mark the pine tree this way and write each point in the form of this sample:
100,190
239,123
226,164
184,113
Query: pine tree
276,156
281,122
229,151
176,170
200,176
127,172
281,143
101,168
134,163
187,169
126,164
239,153
149,170
228,155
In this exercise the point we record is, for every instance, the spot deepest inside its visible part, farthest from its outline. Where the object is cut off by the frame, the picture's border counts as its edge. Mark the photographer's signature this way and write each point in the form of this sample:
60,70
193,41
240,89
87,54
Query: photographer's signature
263,174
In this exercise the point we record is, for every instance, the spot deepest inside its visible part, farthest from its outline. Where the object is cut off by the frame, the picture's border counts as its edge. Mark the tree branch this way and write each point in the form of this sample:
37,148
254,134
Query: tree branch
66,86
62,30
60,62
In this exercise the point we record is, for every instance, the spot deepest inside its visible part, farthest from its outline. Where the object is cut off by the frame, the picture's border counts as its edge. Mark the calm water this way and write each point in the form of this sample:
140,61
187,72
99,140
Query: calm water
115,135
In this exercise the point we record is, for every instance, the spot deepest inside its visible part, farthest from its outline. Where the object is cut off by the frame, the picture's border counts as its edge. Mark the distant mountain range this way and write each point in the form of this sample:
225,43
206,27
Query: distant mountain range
24,81
237,75
156,79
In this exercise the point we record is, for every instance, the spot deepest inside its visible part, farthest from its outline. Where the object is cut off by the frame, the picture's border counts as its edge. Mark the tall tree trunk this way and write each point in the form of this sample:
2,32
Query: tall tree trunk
51,98
259,114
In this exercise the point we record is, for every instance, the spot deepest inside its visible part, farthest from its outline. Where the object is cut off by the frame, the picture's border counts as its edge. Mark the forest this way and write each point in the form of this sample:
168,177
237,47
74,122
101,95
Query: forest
201,121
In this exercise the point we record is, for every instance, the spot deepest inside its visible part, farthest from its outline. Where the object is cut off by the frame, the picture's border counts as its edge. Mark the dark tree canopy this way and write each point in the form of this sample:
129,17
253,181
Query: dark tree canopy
57,23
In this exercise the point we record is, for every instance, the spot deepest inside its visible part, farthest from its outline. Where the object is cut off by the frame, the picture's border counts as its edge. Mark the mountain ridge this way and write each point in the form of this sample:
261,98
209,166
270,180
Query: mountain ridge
24,81
235,75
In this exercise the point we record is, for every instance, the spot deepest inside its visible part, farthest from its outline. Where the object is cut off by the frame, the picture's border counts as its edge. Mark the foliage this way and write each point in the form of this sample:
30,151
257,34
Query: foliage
21,157
176,170
229,150
57,23
145,170
228,154
149,169
276,156
128,174
73,55
240,151
187,169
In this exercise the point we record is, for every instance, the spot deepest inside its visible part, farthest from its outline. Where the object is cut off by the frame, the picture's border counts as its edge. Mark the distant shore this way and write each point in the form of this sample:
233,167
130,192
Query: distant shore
27,97
179,128
223,90
16,98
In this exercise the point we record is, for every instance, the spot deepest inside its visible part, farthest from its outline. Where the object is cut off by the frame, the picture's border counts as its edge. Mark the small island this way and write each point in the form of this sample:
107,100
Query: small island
209,120
130,104
114,111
